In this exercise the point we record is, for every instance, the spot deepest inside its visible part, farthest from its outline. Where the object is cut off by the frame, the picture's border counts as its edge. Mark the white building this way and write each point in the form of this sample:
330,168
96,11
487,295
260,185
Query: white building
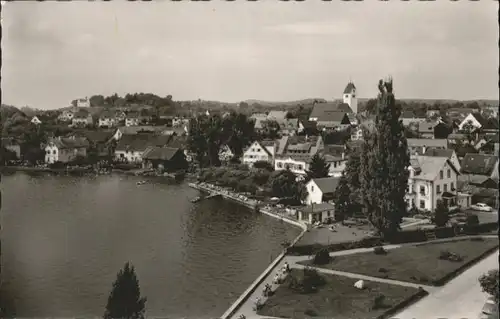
66,116
431,179
317,213
420,145
107,119
83,102
296,163
337,164
472,119
132,119
320,190
350,98
35,120
260,151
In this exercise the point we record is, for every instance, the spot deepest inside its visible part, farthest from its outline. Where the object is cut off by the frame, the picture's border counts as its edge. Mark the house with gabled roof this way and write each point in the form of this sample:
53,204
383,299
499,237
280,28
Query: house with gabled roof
65,150
320,190
409,117
335,120
480,124
311,214
420,145
295,152
431,178
426,128
480,170
107,119
82,118
260,151
164,158
447,153
132,119
131,147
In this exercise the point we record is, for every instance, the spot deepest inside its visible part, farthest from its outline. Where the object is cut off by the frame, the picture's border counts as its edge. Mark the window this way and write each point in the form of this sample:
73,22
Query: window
438,189
422,190
445,187
334,164
440,174
448,173
312,188
452,186
422,204
299,166
54,152
280,165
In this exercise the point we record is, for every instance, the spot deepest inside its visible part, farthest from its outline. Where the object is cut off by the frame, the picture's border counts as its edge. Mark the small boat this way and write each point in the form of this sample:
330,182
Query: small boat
195,200
141,183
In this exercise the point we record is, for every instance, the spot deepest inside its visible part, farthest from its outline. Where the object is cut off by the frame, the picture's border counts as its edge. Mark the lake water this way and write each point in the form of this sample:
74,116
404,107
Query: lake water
64,239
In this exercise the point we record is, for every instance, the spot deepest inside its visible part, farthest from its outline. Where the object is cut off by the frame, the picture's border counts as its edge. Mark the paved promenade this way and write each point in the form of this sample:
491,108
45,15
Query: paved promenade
460,298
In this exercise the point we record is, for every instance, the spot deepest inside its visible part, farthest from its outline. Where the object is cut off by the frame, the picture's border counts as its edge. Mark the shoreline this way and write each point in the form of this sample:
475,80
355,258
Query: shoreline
244,296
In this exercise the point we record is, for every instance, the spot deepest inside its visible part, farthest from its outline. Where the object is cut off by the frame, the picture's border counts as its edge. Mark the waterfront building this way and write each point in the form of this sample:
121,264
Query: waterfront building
320,190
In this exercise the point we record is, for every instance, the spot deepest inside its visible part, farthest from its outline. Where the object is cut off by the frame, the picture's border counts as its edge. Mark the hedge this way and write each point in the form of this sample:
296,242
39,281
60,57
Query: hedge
301,250
480,228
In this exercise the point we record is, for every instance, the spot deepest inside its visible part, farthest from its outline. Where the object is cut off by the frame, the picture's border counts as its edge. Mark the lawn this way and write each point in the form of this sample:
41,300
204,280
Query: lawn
338,299
324,236
417,264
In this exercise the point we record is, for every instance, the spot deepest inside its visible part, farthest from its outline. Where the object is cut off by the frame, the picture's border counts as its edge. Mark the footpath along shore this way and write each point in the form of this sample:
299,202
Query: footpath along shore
276,264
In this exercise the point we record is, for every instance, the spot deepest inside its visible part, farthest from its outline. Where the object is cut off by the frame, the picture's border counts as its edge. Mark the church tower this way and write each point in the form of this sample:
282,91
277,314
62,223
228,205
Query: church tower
350,97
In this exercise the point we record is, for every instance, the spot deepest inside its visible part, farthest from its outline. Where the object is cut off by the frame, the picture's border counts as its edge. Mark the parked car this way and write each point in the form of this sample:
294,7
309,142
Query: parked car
481,207
490,309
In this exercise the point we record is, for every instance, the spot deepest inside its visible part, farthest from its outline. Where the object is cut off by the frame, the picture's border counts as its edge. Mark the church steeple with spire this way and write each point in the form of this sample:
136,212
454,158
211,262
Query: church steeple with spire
350,98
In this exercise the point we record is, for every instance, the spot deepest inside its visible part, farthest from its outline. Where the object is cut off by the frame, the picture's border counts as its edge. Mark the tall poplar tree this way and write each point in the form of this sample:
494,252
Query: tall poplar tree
384,162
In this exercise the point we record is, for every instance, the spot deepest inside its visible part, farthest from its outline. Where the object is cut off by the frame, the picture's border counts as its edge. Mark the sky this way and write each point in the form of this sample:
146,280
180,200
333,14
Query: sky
54,52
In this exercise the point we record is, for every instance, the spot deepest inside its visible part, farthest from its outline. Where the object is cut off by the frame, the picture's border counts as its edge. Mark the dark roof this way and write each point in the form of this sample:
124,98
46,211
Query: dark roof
479,164
333,116
141,142
462,150
178,142
107,114
82,114
320,109
426,127
348,89
133,114
160,153
439,152
480,118
327,184
334,150
308,124
407,114
316,208
98,136
74,142
490,124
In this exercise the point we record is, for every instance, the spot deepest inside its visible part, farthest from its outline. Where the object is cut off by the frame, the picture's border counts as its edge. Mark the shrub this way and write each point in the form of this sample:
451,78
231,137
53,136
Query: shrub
477,239
322,257
264,165
489,283
378,302
450,256
311,280
379,250
311,313
472,220
441,214
383,270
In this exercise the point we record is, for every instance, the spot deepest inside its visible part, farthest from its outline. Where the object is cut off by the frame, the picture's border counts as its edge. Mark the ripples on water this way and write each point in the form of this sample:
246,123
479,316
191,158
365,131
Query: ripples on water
64,239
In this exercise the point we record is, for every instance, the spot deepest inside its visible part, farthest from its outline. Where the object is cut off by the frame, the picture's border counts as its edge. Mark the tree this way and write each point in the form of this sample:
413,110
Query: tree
468,129
441,214
96,100
347,196
270,129
264,165
318,168
489,283
283,184
125,300
384,163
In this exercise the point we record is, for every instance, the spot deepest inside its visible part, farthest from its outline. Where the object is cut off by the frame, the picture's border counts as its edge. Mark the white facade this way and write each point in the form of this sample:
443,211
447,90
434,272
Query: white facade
337,167
130,156
132,121
351,99
36,120
296,166
81,121
258,152
83,102
469,118
424,192
314,193
66,116
106,122
51,153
